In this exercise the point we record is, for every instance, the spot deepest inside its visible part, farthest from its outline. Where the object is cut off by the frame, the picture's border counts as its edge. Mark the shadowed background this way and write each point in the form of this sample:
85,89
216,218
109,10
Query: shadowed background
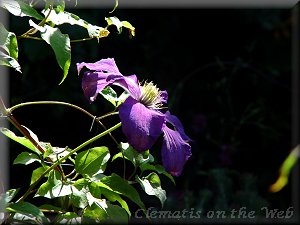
228,75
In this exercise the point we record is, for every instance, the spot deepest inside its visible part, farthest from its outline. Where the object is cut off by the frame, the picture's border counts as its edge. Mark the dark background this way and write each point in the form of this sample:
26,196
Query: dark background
228,75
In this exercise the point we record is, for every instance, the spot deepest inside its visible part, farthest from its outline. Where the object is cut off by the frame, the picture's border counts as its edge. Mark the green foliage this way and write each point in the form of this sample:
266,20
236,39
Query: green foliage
110,95
74,181
92,161
26,158
8,43
29,210
52,16
151,185
102,198
22,140
20,8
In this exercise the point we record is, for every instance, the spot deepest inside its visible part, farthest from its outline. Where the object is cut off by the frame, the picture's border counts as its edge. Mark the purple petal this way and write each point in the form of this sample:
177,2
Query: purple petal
164,96
105,65
94,82
175,151
130,84
177,124
105,72
142,126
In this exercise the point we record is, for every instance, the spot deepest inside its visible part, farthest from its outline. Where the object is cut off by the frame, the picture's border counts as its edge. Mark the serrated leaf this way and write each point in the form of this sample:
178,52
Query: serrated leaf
28,209
7,60
6,197
92,161
121,186
8,41
151,185
22,140
26,158
20,8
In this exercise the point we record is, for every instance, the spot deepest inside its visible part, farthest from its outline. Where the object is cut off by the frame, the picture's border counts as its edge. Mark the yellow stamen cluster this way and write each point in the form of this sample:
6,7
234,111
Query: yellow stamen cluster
150,96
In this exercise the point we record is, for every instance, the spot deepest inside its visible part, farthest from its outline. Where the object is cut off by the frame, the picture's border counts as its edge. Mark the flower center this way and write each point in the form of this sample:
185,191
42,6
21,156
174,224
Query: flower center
151,96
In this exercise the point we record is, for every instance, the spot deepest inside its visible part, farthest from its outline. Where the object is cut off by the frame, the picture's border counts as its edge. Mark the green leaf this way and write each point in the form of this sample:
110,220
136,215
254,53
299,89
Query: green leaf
28,209
6,197
128,25
113,196
96,213
285,169
68,218
7,60
157,168
120,24
116,214
92,161
8,41
121,186
20,8
79,197
22,140
151,185
54,187
132,155
54,153
60,44
110,214
110,95
60,17
36,174
26,158
122,98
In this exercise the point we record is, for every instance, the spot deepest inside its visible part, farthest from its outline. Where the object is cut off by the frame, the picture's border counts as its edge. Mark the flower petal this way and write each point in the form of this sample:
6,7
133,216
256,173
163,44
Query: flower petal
105,65
175,151
105,72
164,96
177,124
142,126
94,82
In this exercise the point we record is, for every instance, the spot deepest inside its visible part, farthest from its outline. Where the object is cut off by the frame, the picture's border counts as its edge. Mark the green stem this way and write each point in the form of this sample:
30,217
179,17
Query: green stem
32,31
65,104
83,39
67,156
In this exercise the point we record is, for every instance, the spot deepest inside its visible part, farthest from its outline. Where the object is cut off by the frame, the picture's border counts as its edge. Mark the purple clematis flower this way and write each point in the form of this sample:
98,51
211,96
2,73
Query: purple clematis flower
142,120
